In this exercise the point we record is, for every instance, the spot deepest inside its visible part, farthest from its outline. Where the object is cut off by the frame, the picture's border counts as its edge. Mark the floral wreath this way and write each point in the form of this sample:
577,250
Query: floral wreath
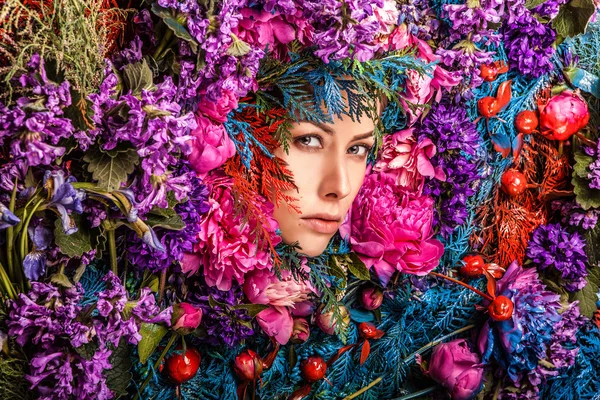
140,256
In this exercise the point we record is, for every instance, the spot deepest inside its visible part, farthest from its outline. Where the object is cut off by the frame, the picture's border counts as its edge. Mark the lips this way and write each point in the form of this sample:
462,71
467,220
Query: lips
322,223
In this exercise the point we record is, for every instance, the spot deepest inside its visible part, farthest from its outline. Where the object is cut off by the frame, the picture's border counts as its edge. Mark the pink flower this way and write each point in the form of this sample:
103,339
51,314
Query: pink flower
211,146
421,89
276,322
185,317
390,229
218,111
229,247
300,331
263,28
457,368
263,287
408,160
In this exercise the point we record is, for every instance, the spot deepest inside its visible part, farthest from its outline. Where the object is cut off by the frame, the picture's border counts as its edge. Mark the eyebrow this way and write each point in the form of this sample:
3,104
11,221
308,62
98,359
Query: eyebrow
330,131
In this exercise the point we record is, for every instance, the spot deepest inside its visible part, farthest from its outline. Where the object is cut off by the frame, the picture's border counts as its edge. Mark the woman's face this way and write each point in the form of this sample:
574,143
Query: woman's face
328,162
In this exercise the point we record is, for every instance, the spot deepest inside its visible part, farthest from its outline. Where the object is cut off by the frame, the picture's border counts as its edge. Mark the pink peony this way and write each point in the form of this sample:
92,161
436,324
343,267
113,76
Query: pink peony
218,111
229,247
276,322
408,160
263,287
421,89
390,229
211,146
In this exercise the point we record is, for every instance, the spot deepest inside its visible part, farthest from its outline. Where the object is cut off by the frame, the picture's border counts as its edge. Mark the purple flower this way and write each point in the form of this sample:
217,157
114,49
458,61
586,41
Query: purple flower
64,198
552,246
518,344
7,218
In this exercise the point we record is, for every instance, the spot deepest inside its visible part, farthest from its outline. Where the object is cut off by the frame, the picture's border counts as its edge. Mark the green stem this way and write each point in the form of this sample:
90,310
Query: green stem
24,233
10,234
438,341
157,364
8,286
417,394
163,44
161,285
112,248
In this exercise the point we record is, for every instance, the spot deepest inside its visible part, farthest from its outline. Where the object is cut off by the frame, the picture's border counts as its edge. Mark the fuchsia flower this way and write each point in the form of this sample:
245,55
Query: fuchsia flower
408,160
211,146
563,116
457,368
277,322
229,247
421,89
391,229
185,317
217,111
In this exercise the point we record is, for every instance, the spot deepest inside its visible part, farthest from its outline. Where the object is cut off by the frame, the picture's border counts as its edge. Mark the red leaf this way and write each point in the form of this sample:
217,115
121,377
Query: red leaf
300,393
339,353
491,284
364,353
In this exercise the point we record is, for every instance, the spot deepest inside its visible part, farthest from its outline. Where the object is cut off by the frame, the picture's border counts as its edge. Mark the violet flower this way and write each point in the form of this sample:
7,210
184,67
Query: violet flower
64,198
34,263
7,218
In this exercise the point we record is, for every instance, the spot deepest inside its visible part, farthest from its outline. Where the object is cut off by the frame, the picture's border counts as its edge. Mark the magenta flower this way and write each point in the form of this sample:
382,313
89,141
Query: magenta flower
301,331
211,146
263,287
229,248
185,317
457,368
276,322
217,111
391,230
408,160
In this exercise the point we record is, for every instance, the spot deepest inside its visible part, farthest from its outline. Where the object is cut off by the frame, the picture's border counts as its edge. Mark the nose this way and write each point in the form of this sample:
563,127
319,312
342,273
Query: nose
335,181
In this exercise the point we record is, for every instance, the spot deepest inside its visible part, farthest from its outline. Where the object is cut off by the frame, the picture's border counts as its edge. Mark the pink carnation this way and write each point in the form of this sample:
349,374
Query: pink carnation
421,89
217,111
229,247
408,160
211,146
391,229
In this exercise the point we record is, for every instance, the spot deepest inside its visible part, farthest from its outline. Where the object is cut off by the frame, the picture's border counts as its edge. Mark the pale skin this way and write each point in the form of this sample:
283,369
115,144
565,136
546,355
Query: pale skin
328,163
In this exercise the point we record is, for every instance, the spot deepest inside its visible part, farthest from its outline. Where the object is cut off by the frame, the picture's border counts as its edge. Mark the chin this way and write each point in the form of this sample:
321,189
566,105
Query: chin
313,246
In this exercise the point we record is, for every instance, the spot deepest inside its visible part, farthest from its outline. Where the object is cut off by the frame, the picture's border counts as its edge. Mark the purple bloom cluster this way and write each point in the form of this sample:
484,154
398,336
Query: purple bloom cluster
535,331
35,126
223,325
176,242
553,246
528,42
459,156
420,19
52,320
573,215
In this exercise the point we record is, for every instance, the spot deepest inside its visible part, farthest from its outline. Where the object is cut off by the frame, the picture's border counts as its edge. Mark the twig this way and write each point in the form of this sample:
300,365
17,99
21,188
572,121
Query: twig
361,391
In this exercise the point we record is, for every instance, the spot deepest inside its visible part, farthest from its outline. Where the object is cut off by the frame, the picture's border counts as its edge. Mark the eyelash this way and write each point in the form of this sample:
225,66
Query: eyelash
312,148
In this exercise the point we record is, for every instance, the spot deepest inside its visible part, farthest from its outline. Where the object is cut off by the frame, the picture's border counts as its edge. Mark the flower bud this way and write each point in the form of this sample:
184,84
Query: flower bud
248,365
457,368
185,317
327,322
300,331
372,298
563,116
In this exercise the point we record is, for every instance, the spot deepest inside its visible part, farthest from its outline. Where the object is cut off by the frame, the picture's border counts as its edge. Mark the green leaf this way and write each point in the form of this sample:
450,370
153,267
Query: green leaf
238,47
584,195
582,162
573,17
75,244
173,23
111,170
87,350
118,377
61,279
138,77
174,223
154,112
592,247
151,336
533,3
251,309
358,268
587,296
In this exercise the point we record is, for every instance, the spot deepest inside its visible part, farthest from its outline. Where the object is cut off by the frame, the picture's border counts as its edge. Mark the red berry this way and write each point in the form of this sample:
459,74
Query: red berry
181,368
313,369
526,122
473,267
488,72
513,182
367,330
501,308
248,365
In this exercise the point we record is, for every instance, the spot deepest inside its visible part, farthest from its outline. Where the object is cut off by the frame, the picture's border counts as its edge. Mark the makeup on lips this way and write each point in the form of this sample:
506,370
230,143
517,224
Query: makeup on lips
322,223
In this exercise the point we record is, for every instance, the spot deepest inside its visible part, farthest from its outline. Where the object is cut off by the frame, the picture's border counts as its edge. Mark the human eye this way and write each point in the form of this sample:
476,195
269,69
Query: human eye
360,150
310,141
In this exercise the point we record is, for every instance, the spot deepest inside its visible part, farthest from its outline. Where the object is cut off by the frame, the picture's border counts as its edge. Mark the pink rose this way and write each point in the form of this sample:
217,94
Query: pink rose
408,160
421,89
217,111
211,146
391,229
276,322
185,317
